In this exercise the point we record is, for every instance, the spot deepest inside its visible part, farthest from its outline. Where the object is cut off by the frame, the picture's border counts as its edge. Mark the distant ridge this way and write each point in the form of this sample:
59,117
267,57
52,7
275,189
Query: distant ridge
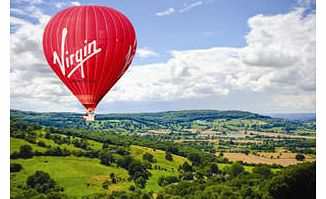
159,117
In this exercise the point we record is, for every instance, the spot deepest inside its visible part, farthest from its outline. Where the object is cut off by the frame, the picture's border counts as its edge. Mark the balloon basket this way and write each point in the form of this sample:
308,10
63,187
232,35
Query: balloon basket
89,116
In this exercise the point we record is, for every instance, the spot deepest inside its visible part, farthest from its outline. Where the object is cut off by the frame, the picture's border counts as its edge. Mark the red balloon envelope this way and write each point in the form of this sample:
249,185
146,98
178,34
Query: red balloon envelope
89,48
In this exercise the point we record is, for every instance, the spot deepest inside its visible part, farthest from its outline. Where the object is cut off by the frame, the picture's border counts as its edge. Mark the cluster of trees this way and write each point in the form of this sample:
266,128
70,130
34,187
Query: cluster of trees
26,151
40,185
136,170
297,181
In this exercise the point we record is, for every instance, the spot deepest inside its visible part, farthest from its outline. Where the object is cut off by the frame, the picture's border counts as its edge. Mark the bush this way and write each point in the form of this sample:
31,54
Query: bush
15,167
214,169
105,184
41,144
165,180
168,156
235,169
149,157
300,157
25,152
297,181
14,155
41,182
264,171
106,158
132,188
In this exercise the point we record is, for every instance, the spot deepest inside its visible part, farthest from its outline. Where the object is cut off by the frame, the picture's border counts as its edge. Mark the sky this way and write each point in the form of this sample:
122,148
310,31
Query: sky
250,55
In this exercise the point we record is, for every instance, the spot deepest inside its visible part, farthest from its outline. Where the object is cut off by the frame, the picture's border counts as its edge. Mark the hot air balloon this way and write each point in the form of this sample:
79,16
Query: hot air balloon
89,48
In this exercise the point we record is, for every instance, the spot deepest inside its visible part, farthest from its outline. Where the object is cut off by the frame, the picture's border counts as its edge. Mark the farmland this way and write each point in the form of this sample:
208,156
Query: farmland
156,155
285,159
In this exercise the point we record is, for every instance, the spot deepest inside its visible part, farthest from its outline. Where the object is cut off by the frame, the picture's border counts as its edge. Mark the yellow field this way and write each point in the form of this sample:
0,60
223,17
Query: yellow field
284,159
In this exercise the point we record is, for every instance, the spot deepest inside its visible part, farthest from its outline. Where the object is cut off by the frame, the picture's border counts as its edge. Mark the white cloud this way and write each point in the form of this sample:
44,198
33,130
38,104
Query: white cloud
17,11
186,8
59,4
279,57
65,4
75,3
165,12
146,52
286,42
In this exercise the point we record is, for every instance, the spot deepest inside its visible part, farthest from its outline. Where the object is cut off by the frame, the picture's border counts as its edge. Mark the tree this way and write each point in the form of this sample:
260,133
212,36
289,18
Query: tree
14,155
262,171
132,188
235,169
15,167
136,169
41,182
105,184
25,152
140,182
300,157
186,167
296,181
161,180
214,169
149,157
195,158
41,143
105,145
168,156
113,179
106,158
124,162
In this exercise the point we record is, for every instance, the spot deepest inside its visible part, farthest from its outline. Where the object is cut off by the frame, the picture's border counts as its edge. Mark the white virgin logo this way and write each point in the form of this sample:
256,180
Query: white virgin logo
79,57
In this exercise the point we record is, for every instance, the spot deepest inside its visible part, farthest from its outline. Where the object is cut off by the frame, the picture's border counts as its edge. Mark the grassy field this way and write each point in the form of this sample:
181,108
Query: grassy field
74,174
159,156
16,143
171,167
78,176
94,145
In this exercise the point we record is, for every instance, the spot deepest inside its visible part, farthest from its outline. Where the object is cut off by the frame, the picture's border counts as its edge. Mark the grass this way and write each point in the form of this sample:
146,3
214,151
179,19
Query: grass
78,176
223,166
94,145
152,185
15,145
171,167
159,155
74,173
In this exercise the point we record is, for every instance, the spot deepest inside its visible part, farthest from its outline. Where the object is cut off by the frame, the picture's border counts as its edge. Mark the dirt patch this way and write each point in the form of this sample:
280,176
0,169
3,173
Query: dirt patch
285,159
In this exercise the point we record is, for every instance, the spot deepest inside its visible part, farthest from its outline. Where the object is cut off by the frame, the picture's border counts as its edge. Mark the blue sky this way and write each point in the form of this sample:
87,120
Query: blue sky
216,54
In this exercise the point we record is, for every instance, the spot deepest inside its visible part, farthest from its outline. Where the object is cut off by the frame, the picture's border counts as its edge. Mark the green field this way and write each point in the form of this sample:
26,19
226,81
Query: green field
16,143
78,176
159,156
83,176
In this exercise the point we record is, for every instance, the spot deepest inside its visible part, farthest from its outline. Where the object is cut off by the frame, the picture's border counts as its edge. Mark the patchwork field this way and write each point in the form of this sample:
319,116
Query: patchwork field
285,159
